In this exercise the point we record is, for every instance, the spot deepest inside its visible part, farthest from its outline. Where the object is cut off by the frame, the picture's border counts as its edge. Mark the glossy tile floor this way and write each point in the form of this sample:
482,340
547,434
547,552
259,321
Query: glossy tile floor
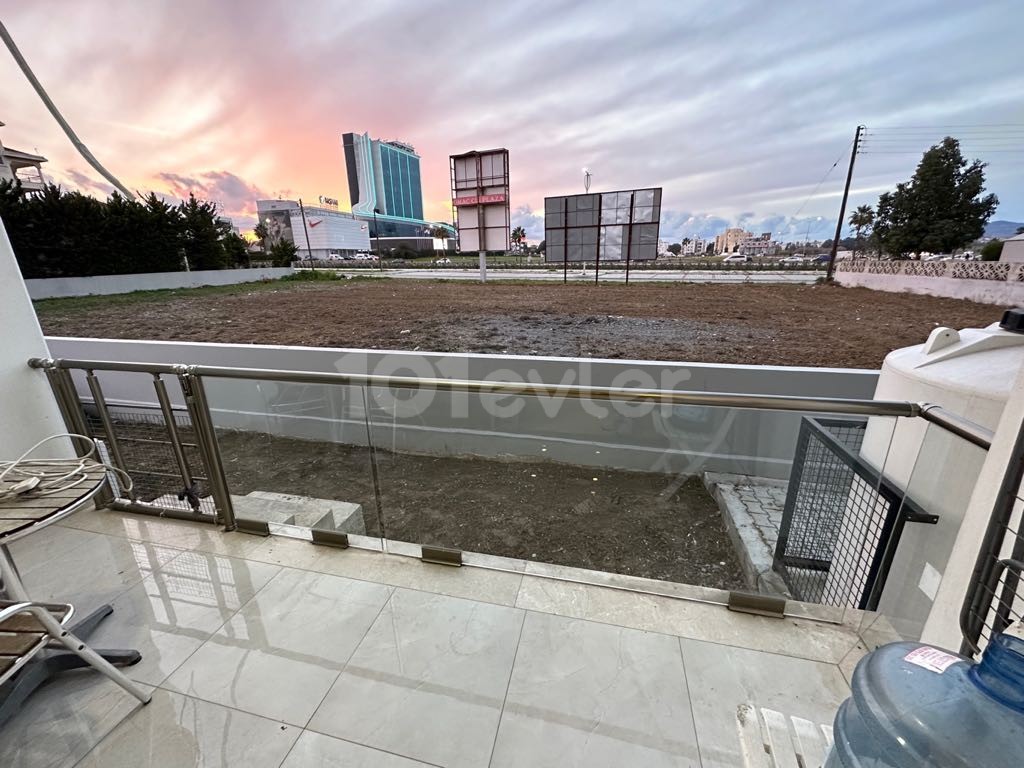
275,652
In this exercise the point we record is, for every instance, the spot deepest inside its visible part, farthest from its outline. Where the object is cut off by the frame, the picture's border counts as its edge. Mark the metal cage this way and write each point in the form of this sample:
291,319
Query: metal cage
842,520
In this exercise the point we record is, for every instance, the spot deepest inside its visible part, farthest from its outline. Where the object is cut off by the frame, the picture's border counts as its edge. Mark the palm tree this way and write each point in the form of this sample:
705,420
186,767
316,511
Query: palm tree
260,230
518,238
861,220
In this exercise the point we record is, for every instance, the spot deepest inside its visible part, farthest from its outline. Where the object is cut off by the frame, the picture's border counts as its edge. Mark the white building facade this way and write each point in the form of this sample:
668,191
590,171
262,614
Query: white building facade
695,247
318,233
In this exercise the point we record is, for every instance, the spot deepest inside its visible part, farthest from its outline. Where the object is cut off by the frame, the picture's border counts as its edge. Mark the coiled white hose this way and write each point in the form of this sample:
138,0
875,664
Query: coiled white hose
44,477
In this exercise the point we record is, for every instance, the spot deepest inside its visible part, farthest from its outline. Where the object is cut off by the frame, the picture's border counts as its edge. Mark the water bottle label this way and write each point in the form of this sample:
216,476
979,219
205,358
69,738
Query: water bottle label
932,659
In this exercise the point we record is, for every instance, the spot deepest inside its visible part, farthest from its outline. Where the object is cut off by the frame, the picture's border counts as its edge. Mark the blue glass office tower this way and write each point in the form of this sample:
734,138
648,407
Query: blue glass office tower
383,175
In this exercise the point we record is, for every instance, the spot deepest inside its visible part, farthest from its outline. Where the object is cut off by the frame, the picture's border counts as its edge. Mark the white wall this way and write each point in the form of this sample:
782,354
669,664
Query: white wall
1013,250
58,287
28,411
1003,292
675,439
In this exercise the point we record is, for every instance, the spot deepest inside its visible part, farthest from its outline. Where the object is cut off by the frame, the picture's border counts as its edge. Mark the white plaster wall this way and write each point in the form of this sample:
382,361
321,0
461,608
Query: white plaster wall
59,287
1013,250
984,291
28,411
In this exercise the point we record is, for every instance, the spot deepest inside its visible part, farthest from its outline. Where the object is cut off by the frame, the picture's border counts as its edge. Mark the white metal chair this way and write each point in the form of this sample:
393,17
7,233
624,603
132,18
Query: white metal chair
29,628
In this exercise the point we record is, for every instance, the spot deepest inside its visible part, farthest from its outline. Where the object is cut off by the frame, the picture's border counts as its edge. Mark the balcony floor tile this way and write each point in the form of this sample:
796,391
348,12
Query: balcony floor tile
175,731
62,721
727,684
279,655
315,749
586,694
398,570
699,621
289,654
171,613
428,680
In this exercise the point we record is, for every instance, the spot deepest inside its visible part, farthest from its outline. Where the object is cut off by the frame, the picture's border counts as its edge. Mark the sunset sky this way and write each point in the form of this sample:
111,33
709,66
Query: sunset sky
736,109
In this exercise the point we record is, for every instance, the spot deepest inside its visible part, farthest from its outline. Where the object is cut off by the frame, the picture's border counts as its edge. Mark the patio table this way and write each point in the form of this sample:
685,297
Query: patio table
23,515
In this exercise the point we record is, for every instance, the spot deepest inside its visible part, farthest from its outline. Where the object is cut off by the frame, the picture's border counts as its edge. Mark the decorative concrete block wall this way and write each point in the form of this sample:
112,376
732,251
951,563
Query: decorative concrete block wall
988,282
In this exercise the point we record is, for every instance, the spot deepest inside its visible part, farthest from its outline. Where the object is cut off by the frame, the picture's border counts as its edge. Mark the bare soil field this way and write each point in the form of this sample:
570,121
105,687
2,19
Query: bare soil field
638,523
809,325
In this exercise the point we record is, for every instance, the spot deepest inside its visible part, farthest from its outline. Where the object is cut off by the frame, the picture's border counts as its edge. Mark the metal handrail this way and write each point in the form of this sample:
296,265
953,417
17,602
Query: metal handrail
958,425
973,433
673,397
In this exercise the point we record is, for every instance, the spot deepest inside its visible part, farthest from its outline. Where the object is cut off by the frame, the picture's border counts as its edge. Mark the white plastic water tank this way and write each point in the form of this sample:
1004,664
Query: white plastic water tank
970,373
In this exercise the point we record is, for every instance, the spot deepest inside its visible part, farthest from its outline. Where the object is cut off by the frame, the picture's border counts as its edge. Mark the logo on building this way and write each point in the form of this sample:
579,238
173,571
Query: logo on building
330,202
478,200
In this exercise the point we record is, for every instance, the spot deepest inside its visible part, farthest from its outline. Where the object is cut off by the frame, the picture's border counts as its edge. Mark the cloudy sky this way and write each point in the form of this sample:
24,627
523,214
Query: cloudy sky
737,109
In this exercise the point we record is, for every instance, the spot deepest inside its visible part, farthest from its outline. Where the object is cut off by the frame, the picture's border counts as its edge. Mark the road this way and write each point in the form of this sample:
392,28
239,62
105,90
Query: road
789,277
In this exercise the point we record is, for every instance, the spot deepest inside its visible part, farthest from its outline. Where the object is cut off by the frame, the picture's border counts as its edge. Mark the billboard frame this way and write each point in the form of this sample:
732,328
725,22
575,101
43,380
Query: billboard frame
479,199
600,210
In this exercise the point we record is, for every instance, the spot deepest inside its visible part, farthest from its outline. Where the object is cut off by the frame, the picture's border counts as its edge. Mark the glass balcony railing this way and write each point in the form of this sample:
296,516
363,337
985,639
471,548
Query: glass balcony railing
847,504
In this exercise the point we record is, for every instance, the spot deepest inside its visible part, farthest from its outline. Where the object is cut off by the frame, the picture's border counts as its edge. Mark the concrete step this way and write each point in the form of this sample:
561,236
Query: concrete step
266,510
309,512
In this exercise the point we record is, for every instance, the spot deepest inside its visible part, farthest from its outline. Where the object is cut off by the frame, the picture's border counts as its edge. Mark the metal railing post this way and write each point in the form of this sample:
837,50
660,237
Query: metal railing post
70,407
176,447
199,410
373,466
108,426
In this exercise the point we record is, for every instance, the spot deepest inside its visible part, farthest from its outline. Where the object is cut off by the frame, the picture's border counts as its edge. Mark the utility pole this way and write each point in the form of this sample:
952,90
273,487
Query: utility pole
309,248
842,207
376,240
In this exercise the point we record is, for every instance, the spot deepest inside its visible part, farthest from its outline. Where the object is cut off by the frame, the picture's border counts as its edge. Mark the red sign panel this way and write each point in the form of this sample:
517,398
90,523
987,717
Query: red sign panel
478,200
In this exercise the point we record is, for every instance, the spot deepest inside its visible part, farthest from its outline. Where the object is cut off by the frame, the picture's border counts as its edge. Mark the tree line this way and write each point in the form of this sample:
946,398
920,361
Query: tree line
941,209
57,233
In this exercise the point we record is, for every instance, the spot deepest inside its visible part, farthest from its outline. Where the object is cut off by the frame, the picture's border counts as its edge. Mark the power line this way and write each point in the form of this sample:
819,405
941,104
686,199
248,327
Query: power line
943,126
919,152
827,174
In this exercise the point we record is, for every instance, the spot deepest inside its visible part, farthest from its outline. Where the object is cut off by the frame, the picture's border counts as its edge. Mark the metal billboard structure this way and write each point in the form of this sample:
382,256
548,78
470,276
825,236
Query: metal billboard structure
602,227
480,199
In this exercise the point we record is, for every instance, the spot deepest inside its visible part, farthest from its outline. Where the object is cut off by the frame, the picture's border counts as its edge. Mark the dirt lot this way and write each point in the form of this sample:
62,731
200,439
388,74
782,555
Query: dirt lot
759,324
637,523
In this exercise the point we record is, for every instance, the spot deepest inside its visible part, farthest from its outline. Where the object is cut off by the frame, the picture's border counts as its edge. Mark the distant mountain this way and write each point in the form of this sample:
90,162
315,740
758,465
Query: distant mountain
1002,229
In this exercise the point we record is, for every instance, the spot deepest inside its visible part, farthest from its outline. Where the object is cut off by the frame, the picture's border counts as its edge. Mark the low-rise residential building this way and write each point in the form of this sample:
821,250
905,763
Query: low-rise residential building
1013,249
695,247
758,245
729,241
23,166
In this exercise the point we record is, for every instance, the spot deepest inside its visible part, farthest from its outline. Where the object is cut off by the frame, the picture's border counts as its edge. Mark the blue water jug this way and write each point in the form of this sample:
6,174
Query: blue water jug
913,705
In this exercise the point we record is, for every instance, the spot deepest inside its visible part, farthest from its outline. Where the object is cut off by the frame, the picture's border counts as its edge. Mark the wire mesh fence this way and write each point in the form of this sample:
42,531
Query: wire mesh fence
145,444
842,519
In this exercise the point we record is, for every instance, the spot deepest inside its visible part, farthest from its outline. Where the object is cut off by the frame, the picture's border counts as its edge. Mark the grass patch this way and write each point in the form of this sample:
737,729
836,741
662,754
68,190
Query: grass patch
312,276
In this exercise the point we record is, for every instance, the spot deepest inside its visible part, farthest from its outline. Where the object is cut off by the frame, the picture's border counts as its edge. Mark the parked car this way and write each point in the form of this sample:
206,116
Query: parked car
792,260
822,258
736,258
364,257
443,260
